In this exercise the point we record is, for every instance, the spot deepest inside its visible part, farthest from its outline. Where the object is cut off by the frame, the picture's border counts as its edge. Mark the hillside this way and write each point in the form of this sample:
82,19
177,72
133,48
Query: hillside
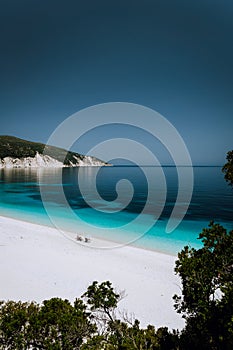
13,150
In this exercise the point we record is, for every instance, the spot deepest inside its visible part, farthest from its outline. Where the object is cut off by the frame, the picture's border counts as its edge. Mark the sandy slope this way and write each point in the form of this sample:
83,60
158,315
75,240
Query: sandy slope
37,262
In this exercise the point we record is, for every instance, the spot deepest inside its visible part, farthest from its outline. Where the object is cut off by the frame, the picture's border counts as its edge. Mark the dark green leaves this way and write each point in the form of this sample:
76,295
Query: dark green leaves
207,290
56,324
101,296
228,168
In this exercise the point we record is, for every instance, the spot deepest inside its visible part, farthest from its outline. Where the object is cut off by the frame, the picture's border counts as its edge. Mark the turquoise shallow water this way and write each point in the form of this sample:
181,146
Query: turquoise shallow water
71,210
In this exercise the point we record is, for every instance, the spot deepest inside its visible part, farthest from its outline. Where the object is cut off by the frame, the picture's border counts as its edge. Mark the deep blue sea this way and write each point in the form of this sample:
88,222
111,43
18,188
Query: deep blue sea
64,204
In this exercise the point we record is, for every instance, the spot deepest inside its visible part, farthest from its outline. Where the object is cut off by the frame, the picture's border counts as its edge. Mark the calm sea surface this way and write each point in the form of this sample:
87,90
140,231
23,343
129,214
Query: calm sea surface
105,214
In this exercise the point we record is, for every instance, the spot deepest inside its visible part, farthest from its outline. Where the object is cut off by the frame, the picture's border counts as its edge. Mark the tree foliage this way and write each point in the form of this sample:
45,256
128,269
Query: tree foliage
56,324
228,168
15,324
207,286
59,325
102,299
207,290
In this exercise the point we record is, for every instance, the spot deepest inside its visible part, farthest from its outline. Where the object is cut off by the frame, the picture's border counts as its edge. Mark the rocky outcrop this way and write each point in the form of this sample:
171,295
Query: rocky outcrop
19,153
88,161
45,161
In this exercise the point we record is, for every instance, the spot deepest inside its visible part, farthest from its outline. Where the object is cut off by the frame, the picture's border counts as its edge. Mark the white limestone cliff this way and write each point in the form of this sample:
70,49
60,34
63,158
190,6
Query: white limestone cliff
44,161
88,161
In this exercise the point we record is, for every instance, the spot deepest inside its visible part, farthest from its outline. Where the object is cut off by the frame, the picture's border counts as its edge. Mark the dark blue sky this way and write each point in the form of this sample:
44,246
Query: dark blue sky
176,57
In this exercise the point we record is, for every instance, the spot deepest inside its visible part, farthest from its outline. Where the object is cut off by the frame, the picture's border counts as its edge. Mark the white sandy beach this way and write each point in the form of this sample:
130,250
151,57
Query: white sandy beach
37,263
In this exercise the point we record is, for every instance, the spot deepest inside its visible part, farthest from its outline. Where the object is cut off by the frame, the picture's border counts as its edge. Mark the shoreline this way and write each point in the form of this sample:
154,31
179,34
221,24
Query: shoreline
37,263
96,242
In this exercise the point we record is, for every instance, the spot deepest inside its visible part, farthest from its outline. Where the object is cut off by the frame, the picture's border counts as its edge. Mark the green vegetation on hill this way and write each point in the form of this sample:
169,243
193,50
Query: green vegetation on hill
14,147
